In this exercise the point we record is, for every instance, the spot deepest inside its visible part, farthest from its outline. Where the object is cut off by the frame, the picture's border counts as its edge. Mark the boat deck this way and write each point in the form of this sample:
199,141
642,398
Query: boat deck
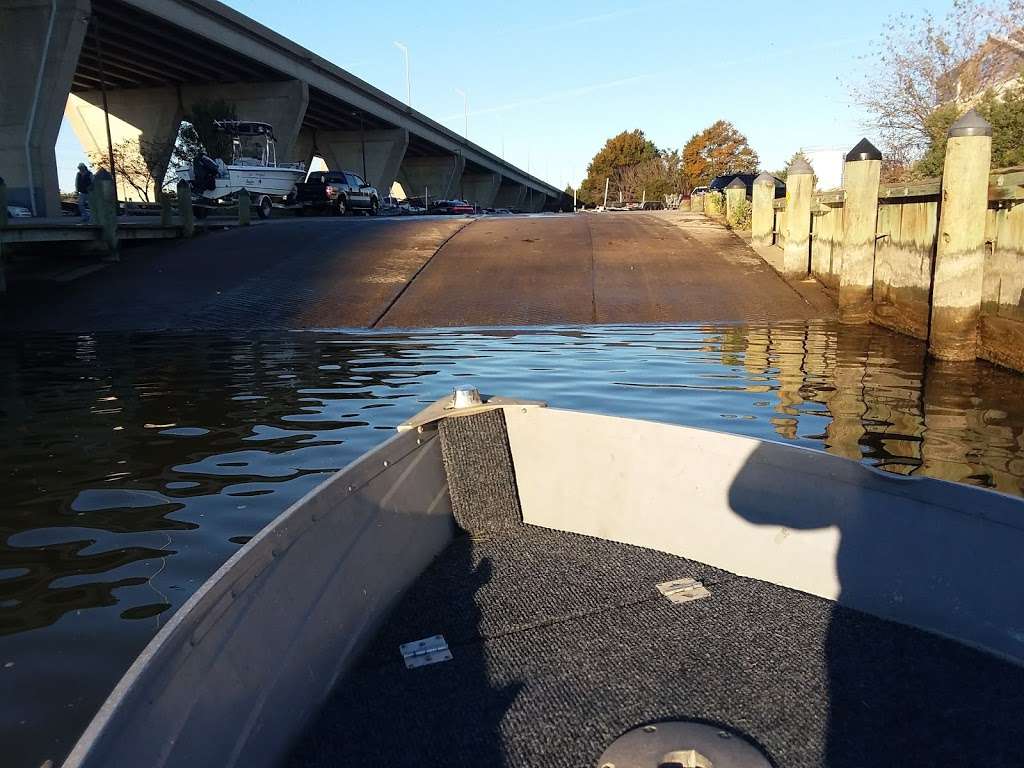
561,643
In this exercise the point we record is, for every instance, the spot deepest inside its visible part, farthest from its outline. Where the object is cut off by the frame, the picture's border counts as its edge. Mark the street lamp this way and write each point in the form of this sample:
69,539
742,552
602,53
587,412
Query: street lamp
465,106
362,140
408,82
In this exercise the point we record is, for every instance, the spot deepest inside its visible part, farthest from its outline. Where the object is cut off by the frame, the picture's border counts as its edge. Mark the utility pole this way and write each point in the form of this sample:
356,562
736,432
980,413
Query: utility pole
605,193
408,81
574,199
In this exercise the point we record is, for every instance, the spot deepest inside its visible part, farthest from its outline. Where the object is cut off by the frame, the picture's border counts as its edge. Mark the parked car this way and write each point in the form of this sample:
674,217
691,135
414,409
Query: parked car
338,192
18,212
699,191
452,207
719,183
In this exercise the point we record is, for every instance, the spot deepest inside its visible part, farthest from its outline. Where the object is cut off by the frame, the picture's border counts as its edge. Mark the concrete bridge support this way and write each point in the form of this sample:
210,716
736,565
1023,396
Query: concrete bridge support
534,201
385,150
149,116
282,104
440,176
38,56
510,195
481,189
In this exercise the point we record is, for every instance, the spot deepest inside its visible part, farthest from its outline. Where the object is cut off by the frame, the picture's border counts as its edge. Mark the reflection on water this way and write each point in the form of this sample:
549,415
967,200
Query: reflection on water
133,466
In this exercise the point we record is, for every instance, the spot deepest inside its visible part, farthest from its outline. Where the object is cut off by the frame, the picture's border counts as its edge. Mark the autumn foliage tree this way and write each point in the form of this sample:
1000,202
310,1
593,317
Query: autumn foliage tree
629,148
716,150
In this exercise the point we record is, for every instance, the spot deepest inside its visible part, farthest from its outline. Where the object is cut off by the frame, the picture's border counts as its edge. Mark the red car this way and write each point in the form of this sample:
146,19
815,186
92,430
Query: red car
452,207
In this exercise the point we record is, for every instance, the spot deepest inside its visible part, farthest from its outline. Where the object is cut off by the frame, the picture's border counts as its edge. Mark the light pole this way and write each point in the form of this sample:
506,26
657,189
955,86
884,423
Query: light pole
465,107
362,140
408,82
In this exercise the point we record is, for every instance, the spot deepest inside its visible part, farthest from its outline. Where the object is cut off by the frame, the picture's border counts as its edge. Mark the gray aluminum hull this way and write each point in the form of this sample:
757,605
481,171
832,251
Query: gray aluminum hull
246,664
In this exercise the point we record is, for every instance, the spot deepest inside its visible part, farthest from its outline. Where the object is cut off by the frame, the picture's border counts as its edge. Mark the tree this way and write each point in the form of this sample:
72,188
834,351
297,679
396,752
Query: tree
199,136
716,150
782,173
626,149
139,166
920,63
1006,114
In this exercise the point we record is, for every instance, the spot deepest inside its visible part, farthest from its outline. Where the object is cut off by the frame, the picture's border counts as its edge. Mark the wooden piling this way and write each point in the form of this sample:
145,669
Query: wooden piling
107,199
166,210
735,194
244,208
188,221
960,251
762,216
697,203
799,190
860,216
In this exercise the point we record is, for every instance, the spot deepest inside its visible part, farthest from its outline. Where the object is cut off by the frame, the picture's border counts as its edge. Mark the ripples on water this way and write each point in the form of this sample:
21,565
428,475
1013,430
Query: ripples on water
134,465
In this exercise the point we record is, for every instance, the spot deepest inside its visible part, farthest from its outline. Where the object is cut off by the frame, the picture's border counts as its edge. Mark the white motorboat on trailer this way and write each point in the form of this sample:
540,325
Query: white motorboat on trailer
507,584
253,167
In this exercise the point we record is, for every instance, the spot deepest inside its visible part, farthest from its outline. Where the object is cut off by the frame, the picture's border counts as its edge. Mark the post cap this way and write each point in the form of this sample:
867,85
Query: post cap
970,124
864,150
800,167
765,178
736,183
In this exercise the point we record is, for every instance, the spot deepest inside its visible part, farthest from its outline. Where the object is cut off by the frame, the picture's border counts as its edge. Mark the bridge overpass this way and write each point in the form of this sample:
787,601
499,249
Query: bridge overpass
156,58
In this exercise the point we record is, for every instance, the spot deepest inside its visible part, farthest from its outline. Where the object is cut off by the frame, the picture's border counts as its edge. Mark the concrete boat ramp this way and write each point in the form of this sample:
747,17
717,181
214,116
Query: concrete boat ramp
664,267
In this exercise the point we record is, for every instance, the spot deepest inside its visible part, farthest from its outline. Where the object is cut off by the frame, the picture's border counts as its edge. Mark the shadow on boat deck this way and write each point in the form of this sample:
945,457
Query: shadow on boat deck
898,695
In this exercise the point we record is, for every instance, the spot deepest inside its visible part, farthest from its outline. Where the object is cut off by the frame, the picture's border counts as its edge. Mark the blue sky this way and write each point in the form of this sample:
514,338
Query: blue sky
550,81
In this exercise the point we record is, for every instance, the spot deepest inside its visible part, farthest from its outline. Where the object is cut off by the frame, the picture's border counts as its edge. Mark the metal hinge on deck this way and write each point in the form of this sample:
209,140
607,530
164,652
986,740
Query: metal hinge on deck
683,590
430,650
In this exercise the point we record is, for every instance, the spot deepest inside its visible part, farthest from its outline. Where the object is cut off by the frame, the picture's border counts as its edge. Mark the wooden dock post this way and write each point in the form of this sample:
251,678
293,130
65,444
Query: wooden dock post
762,216
861,173
799,189
244,208
166,211
104,205
3,223
960,251
735,193
188,221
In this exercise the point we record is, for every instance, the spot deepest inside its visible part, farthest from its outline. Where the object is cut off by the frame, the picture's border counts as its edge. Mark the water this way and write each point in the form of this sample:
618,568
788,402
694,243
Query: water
133,465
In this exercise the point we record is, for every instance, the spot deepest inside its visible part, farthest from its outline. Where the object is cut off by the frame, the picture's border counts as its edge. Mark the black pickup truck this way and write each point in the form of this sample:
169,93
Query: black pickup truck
338,192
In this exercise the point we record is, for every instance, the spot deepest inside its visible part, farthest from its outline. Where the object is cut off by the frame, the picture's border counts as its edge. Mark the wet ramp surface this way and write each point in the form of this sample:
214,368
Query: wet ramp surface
422,272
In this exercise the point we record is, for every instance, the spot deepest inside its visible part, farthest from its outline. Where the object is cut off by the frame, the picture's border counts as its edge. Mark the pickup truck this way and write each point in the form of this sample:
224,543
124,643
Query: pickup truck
339,192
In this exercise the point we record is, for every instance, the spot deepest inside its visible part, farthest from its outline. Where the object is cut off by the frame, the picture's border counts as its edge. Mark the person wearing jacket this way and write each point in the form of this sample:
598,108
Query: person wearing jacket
83,185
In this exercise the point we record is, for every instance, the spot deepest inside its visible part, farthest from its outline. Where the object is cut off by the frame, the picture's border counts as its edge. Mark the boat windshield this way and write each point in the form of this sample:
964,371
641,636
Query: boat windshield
254,150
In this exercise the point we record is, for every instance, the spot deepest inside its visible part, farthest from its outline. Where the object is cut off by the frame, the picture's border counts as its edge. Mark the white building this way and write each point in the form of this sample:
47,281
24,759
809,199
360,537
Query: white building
827,163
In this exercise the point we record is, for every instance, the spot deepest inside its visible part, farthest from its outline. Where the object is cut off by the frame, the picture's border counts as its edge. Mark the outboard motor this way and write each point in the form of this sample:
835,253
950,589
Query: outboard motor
204,173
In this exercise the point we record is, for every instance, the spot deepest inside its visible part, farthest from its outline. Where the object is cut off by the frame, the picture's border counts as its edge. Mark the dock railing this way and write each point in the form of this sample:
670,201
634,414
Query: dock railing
938,259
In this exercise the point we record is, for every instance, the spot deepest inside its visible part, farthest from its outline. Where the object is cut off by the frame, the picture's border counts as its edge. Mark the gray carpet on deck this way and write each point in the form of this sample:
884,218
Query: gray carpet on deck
561,643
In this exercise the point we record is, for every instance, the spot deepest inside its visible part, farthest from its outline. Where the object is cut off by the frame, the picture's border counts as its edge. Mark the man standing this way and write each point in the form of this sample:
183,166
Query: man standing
83,185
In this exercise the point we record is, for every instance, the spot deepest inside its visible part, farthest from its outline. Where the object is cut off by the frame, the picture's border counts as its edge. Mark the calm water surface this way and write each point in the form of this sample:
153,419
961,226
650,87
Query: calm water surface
133,465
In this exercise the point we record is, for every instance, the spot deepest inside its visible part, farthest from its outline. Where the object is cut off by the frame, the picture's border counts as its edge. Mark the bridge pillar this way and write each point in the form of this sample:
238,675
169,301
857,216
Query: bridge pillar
480,188
385,149
34,92
150,116
511,194
535,201
282,104
440,175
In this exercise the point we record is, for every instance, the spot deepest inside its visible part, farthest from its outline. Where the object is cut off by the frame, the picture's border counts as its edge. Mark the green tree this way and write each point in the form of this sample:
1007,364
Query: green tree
716,150
628,148
783,172
198,134
1006,114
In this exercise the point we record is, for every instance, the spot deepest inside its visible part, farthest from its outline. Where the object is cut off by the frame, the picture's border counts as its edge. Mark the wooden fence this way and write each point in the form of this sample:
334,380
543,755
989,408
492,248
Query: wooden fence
935,275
